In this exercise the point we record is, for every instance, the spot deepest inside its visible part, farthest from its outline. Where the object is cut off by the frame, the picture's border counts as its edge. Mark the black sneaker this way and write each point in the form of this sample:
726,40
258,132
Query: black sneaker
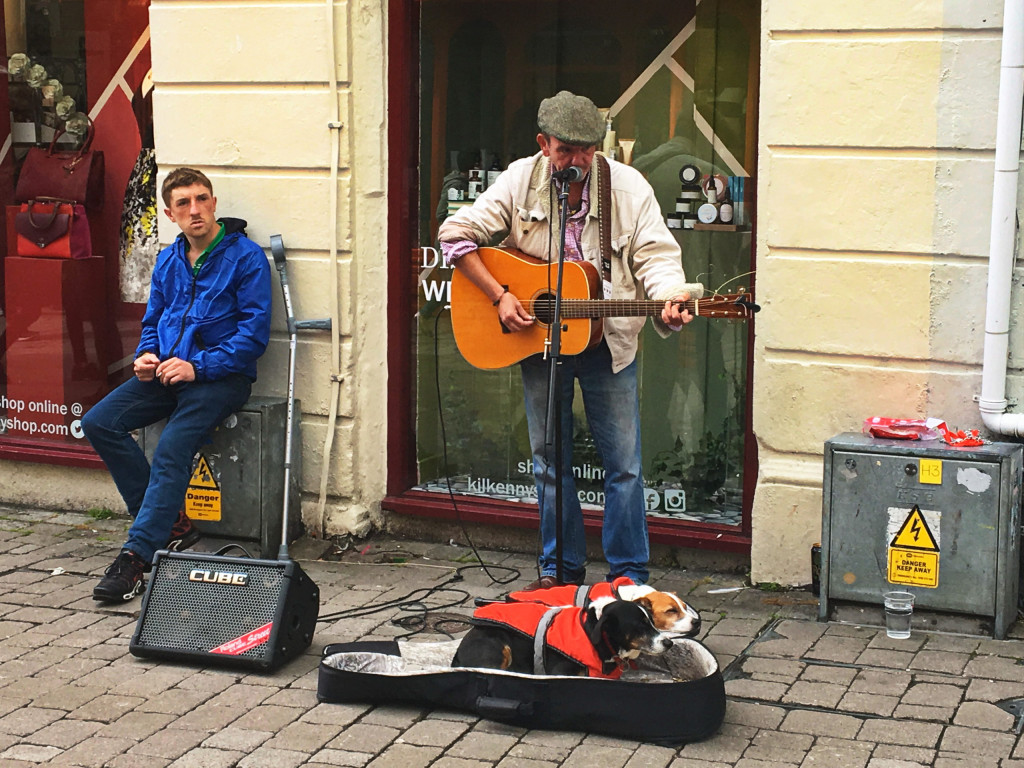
184,534
123,580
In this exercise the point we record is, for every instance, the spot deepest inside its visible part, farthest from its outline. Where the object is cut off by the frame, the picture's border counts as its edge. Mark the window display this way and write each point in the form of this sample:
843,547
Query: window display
75,119
677,84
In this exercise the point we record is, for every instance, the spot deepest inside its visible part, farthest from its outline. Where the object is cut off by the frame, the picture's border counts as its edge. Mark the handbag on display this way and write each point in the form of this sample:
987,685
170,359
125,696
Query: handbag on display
68,175
54,229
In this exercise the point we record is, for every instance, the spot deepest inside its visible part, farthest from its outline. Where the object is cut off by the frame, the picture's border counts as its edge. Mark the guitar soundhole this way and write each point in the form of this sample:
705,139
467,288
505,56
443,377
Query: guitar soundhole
544,308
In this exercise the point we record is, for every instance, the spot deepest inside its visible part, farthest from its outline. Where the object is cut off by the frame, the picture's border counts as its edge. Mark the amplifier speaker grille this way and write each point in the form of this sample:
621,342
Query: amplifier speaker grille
236,611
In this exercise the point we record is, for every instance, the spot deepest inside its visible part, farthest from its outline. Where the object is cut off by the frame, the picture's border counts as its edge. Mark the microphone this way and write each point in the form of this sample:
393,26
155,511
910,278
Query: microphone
570,174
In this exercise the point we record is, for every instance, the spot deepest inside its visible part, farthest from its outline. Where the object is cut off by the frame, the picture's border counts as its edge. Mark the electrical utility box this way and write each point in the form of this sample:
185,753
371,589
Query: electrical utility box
922,517
236,492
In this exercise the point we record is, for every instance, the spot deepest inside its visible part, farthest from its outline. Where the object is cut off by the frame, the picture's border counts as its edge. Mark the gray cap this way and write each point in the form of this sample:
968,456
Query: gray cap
571,118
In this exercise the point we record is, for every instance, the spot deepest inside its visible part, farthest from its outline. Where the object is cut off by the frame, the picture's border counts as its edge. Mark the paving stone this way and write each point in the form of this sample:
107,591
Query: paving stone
881,683
825,673
332,757
992,690
240,739
977,714
721,749
834,756
588,755
940,661
915,755
909,734
434,733
106,708
30,753
174,701
995,668
99,750
137,725
64,733
479,746
398,756
364,737
168,743
977,741
650,756
456,762
303,737
822,723
203,757
754,714
868,703
882,657
841,649
788,639
919,712
811,694
28,720
965,761
773,746
929,694
755,689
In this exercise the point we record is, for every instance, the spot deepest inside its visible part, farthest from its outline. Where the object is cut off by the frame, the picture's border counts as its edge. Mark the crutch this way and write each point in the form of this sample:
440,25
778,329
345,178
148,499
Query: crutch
277,249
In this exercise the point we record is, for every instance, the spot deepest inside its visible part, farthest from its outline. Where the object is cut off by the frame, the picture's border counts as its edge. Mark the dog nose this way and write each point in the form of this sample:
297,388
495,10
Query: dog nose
696,628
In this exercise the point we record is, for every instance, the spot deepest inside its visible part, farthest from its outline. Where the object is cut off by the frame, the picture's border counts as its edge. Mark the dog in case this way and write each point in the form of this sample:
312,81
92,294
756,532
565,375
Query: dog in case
534,638
668,611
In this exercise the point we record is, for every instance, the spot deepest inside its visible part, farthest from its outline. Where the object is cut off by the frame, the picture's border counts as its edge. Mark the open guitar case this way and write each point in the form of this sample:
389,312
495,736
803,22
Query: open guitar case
670,699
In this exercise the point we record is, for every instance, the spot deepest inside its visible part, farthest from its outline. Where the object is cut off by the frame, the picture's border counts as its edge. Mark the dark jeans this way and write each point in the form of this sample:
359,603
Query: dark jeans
154,494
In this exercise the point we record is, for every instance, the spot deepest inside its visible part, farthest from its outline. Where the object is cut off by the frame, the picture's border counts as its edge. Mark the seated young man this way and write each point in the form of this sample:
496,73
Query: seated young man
206,323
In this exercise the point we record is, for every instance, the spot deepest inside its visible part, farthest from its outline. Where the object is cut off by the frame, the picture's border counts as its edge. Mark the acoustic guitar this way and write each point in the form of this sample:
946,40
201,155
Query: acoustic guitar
486,343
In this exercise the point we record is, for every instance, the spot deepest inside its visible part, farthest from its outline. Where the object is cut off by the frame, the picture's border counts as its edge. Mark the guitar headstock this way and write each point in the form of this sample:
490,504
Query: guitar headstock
727,305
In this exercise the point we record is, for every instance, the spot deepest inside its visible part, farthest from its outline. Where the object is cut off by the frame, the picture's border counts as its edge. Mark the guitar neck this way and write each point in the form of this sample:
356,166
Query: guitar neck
594,308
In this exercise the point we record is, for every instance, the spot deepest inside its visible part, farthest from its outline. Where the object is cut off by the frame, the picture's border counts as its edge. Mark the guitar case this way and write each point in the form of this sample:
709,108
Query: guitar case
671,699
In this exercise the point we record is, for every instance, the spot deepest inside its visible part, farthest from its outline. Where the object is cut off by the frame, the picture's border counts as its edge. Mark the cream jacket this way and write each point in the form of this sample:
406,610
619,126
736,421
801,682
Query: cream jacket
516,212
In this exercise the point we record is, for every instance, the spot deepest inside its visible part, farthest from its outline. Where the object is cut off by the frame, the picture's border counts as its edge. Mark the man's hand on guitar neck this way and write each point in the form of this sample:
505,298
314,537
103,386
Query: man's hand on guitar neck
673,315
511,313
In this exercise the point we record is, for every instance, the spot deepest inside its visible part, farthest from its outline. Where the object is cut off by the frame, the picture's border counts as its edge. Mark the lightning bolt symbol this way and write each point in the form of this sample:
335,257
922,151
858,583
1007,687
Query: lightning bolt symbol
915,529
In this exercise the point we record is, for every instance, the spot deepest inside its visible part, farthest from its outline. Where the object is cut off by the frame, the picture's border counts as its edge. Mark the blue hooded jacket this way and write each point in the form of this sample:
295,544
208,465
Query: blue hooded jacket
218,320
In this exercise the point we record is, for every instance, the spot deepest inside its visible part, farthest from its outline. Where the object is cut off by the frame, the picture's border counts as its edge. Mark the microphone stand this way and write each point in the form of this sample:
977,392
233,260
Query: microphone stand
553,422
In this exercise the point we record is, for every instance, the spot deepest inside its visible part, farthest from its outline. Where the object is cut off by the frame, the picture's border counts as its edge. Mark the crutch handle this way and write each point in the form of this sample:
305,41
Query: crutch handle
277,249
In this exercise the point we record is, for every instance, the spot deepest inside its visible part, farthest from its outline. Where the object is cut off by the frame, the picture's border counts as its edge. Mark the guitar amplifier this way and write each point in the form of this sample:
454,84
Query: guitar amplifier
234,611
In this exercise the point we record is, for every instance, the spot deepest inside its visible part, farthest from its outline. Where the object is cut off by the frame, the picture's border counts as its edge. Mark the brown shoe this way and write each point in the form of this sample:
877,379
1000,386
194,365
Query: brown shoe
544,582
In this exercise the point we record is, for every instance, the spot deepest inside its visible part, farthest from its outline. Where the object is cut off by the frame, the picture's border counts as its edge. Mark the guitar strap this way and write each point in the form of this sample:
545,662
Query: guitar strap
604,214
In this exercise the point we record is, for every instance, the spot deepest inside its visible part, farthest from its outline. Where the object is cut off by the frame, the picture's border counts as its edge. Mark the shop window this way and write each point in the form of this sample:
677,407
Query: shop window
679,82
78,75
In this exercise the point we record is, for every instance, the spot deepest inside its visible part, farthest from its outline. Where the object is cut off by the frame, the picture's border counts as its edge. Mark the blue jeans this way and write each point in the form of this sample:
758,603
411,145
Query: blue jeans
612,405
154,494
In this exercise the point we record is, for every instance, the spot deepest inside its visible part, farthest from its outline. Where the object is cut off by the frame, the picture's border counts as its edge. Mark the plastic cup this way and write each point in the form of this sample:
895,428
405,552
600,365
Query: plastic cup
899,608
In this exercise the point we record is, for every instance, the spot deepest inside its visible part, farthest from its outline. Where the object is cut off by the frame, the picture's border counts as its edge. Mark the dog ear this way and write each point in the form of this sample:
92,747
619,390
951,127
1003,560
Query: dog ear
595,626
646,604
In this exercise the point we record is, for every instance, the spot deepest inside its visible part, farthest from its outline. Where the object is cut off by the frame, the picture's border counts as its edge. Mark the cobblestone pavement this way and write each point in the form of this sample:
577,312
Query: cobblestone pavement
800,692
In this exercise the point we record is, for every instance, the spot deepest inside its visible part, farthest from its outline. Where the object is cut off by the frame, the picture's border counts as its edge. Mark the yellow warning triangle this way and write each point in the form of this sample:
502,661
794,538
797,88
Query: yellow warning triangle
202,477
915,534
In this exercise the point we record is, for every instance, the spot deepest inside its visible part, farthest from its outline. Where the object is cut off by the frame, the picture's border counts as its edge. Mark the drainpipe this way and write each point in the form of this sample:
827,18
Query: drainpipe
992,403
334,125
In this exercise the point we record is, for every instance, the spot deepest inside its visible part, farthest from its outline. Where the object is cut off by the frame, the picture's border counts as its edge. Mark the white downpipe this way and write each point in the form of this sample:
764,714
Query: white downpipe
334,125
992,403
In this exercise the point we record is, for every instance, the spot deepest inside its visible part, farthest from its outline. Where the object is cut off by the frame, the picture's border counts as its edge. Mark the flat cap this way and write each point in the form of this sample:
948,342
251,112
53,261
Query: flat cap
571,118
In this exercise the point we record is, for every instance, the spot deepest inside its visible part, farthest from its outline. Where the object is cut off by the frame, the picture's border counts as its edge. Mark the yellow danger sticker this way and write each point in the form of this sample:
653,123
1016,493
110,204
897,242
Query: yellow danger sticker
202,500
913,567
202,477
202,504
915,533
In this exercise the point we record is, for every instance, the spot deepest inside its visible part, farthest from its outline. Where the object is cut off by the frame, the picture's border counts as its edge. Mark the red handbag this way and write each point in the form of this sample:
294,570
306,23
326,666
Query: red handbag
53,229
75,176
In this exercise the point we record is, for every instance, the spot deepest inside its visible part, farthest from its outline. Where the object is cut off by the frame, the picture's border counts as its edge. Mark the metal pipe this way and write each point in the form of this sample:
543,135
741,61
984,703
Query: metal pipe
993,403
